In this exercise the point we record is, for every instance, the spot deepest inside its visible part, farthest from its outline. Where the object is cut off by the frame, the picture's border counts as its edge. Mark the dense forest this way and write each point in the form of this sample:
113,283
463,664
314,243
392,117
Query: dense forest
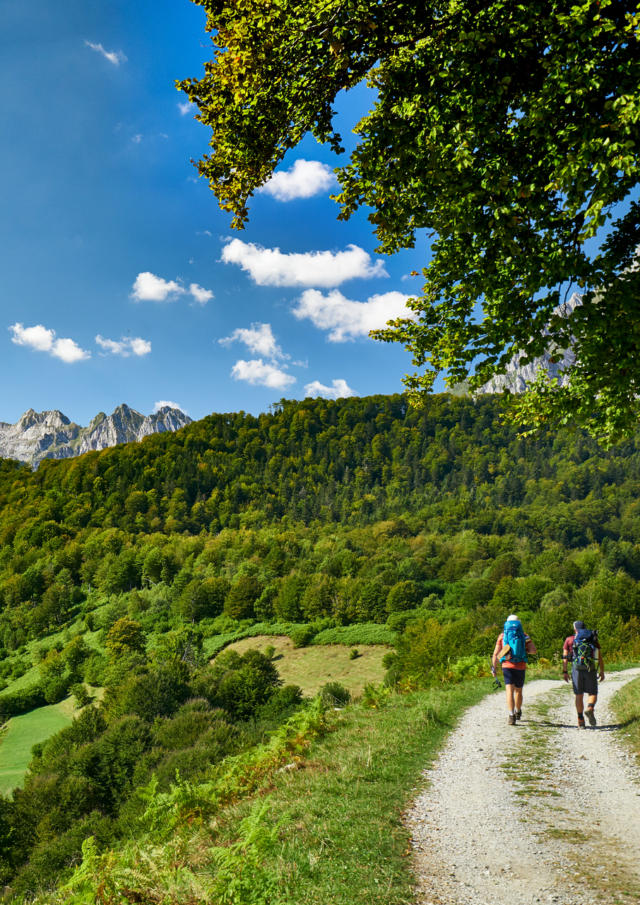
125,570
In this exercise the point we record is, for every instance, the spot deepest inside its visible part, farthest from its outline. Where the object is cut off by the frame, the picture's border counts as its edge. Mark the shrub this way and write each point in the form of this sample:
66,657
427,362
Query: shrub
303,636
335,694
354,653
81,694
56,689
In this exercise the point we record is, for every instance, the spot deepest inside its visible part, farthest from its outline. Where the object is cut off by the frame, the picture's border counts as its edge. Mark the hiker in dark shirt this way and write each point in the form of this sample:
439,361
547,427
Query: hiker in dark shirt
582,650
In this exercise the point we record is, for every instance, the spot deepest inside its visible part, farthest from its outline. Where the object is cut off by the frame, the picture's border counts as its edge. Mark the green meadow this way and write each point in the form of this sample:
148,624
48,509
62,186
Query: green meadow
312,667
21,733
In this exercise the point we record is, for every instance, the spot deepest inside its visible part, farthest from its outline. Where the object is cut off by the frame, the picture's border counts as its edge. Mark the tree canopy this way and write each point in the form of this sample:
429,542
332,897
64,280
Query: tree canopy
509,132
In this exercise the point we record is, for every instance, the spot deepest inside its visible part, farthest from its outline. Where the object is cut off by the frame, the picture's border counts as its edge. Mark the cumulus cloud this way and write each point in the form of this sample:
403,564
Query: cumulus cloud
271,267
113,56
345,319
200,295
151,288
42,339
125,347
165,403
260,373
185,107
304,179
339,389
258,338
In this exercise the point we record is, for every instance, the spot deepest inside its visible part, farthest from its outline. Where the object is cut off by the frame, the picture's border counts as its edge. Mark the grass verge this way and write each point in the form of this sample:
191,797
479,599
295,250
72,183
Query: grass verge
342,839
626,707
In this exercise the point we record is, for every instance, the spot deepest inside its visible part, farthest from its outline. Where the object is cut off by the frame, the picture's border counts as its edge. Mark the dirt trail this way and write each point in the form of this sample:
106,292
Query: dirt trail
536,813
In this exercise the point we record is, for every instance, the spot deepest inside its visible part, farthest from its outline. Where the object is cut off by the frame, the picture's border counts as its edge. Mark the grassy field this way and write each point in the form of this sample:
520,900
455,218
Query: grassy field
21,733
626,706
312,667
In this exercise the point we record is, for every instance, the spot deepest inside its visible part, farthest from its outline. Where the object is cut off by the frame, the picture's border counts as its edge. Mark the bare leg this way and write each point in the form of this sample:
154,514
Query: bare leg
518,698
591,700
510,698
580,704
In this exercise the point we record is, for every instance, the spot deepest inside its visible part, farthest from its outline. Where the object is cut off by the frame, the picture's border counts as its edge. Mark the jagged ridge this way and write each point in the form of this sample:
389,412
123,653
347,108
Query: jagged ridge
51,435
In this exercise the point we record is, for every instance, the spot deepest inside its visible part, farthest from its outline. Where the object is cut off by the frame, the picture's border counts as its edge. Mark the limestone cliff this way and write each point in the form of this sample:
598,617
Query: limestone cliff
50,435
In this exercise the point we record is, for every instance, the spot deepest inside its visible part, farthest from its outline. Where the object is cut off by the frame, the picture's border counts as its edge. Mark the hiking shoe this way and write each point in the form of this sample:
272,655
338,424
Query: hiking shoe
581,724
590,716
518,714
512,719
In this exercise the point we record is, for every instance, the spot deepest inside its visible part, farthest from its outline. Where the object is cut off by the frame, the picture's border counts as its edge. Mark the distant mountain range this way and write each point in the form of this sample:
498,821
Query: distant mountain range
50,435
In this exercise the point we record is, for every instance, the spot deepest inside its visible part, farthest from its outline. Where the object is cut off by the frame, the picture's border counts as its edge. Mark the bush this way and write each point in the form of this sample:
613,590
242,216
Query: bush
56,689
81,694
354,653
21,702
303,636
335,694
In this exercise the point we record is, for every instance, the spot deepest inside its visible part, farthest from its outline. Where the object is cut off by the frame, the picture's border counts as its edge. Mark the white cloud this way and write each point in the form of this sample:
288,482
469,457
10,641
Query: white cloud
346,319
258,338
200,295
339,389
113,56
69,351
137,139
42,339
259,373
185,107
37,337
126,346
270,267
164,403
150,288
304,179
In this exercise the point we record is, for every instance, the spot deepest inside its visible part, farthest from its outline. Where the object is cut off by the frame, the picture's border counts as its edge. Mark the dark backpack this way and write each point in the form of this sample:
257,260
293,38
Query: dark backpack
585,650
513,635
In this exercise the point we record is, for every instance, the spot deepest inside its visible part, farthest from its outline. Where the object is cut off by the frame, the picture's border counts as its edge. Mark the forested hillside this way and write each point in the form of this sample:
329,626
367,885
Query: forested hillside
359,520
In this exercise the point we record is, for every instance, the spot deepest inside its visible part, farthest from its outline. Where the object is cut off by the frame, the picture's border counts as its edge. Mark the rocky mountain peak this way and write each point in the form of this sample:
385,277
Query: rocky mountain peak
51,435
554,361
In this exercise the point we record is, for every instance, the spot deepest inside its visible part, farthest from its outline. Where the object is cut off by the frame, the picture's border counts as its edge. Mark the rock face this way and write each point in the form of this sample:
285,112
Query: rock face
50,435
517,376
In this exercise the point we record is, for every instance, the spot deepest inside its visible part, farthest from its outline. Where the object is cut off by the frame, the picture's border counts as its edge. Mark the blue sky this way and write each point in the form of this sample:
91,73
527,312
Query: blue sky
121,280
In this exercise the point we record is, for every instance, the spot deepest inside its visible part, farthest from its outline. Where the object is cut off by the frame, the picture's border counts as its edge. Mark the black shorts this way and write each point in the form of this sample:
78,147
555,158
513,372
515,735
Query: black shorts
513,676
584,681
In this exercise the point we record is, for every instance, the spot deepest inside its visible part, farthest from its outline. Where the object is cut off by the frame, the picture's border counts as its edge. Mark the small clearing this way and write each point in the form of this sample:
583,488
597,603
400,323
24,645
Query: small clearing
21,733
540,812
314,666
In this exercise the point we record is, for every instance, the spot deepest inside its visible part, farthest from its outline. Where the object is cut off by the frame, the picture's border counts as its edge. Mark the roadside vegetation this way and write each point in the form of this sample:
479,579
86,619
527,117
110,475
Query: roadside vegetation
626,706
315,815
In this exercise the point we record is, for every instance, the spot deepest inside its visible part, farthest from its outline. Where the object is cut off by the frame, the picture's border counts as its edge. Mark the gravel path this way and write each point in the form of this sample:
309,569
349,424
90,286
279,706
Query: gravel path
539,812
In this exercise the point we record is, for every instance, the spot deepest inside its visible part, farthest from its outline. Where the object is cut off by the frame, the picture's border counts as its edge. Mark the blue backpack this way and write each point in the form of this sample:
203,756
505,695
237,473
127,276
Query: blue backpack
513,635
585,650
